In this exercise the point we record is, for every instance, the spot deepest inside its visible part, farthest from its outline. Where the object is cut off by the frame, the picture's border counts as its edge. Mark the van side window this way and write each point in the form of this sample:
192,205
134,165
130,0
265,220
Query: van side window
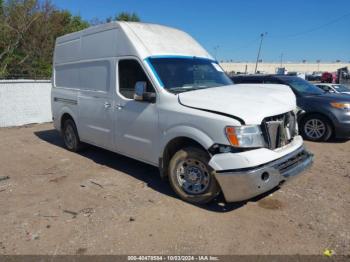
130,72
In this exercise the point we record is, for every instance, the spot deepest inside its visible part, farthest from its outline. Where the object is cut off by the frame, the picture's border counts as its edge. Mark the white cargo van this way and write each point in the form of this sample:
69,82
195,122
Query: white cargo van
153,93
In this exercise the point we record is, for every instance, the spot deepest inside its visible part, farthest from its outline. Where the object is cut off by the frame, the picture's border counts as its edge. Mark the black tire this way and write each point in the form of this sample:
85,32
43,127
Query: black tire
321,135
70,136
195,159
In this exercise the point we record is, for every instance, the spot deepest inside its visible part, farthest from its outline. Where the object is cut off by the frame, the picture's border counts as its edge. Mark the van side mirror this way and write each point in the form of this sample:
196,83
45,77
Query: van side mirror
141,94
140,90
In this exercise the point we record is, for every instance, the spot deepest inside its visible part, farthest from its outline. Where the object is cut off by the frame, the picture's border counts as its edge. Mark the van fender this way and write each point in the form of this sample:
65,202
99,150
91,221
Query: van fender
182,131
185,131
67,110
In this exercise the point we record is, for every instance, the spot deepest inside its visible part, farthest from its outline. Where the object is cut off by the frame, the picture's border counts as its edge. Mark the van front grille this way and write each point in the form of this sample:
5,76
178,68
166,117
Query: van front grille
291,162
279,130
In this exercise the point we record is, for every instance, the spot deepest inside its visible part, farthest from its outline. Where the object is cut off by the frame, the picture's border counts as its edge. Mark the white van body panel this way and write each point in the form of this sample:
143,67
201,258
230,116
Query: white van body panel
86,88
122,39
247,102
158,40
77,62
63,101
136,130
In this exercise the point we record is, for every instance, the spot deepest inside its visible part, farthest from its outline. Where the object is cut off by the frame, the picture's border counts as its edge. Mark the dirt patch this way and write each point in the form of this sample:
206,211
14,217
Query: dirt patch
50,205
270,203
81,251
57,179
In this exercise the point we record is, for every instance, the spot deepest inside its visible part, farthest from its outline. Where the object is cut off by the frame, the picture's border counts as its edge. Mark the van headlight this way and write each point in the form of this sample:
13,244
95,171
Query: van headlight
245,136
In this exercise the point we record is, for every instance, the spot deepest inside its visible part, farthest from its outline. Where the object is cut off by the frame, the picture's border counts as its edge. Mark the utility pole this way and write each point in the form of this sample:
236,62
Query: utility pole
216,48
258,57
281,60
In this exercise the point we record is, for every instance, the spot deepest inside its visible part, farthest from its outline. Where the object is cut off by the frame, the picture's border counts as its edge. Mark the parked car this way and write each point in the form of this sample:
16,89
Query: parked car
315,77
329,77
153,93
334,88
298,74
326,114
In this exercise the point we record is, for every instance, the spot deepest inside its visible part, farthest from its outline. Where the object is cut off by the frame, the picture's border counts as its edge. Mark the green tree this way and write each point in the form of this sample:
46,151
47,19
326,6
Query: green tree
1,6
28,30
39,44
16,21
75,24
125,16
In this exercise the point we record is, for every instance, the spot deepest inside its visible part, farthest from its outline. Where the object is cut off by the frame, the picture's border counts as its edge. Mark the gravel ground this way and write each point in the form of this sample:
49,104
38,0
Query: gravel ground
98,202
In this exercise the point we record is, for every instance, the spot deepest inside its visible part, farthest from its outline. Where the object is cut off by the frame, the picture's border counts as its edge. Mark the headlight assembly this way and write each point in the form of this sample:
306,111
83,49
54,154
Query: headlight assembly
245,136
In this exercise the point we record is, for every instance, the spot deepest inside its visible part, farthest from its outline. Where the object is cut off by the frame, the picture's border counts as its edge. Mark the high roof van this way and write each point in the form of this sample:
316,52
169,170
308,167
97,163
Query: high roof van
152,93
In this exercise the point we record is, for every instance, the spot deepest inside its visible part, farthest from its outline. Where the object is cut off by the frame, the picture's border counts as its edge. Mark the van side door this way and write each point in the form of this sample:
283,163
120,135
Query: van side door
136,125
95,103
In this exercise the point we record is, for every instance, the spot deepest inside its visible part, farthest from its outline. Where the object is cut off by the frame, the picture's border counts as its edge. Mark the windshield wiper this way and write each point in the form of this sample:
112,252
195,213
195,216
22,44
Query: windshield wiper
184,89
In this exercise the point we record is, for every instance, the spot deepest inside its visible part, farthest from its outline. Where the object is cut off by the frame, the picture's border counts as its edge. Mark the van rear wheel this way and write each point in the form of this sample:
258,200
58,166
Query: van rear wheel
70,136
191,177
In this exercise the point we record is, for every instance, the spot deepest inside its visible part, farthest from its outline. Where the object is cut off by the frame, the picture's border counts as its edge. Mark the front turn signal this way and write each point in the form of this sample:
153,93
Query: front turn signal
232,136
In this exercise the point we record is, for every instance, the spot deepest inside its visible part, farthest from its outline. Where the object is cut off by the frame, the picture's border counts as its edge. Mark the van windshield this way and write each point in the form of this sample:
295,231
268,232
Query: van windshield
186,74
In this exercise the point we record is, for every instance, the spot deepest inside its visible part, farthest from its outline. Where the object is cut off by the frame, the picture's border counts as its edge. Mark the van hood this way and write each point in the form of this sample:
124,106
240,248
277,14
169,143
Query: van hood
248,103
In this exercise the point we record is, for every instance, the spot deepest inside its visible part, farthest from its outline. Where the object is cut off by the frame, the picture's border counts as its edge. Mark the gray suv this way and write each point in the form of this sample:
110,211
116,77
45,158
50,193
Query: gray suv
326,115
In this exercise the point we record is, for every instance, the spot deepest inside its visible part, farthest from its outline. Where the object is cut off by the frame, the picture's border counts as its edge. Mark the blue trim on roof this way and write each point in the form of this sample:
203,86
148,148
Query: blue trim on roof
160,82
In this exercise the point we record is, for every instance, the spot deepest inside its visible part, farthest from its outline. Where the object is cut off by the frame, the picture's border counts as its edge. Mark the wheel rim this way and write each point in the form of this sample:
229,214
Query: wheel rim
315,128
69,136
193,176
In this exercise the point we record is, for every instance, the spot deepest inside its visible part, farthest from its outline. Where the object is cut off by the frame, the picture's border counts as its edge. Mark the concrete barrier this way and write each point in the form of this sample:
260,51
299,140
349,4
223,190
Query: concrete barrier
24,102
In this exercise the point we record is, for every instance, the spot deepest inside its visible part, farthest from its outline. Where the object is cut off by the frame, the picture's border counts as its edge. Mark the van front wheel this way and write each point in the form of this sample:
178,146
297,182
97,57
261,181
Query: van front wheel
191,177
70,136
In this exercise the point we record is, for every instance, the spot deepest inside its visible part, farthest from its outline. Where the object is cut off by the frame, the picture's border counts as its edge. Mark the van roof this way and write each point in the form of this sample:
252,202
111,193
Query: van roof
141,39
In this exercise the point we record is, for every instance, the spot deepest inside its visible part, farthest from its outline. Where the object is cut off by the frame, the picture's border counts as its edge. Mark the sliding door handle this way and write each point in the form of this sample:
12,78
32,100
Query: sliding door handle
119,107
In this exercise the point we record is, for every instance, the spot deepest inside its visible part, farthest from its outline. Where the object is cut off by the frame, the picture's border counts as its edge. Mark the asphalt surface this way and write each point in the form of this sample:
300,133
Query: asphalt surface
53,201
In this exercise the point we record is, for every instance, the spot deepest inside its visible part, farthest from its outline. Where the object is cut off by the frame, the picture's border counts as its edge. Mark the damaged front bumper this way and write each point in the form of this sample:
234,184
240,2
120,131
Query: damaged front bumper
245,183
